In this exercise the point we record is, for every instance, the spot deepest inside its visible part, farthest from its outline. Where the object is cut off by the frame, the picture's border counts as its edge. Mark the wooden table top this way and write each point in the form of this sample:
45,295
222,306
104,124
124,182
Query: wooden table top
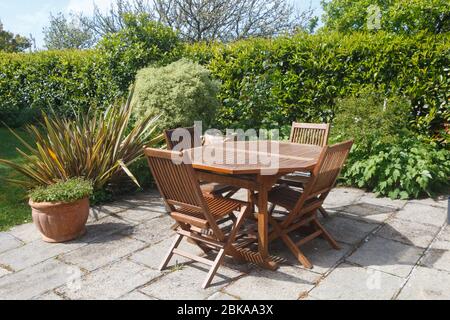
255,157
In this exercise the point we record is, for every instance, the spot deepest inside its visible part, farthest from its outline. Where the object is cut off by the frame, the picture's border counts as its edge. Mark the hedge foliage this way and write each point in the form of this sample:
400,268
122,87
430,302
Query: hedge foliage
265,83
72,79
58,80
270,82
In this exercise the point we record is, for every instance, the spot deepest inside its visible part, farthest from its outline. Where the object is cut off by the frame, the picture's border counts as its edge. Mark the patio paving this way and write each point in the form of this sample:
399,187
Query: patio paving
390,250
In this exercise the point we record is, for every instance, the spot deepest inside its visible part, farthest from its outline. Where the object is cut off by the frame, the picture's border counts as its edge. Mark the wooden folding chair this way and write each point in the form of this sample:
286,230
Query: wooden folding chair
302,206
306,133
310,133
207,221
195,140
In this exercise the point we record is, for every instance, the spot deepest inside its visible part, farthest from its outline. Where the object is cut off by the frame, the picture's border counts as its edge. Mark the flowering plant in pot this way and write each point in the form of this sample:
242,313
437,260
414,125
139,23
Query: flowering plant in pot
60,211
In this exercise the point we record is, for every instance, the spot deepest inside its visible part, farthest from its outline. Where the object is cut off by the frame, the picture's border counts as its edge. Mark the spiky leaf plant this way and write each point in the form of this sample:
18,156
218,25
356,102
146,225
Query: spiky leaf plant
98,146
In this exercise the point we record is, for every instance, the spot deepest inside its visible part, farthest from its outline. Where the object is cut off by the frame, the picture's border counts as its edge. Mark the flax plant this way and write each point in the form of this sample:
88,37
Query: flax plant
99,146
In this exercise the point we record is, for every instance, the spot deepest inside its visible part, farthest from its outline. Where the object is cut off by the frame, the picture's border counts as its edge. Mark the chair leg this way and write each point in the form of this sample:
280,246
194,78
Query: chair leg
326,235
324,212
169,255
296,251
212,272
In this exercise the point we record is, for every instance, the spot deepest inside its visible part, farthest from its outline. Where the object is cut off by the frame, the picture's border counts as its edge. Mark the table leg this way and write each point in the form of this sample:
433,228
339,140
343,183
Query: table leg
263,223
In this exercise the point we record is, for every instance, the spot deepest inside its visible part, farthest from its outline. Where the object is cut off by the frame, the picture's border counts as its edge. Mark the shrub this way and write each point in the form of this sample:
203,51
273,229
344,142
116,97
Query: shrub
370,116
98,146
69,81
63,191
140,43
63,81
304,74
405,170
181,93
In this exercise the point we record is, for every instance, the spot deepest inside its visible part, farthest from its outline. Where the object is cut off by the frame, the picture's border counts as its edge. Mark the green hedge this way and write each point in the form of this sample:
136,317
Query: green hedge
264,82
64,80
53,80
270,82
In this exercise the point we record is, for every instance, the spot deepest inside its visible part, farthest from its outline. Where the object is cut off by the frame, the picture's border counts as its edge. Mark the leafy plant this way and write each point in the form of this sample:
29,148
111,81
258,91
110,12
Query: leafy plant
371,116
182,92
63,191
405,170
99,147
141,42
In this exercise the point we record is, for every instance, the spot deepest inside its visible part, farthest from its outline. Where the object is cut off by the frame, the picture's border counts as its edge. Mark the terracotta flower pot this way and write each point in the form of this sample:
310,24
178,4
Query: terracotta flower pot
60,222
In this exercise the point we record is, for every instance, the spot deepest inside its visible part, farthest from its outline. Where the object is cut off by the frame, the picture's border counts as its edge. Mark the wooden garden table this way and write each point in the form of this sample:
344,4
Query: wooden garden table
246,165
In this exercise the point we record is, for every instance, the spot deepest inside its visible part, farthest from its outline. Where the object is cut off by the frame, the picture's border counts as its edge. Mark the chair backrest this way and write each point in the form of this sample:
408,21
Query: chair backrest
310,133
329,167
175,179
324,175
179,186
188,137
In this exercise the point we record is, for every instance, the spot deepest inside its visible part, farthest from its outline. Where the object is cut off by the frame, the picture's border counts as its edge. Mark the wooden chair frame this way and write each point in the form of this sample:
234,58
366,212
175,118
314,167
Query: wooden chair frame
306,133
310,201
310,133
197,141
180,188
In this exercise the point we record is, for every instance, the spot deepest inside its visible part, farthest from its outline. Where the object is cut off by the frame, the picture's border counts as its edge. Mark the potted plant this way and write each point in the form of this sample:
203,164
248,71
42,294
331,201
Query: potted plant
60,211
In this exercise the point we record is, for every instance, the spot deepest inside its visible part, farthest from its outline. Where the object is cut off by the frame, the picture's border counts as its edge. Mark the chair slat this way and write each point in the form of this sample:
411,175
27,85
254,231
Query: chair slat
310,133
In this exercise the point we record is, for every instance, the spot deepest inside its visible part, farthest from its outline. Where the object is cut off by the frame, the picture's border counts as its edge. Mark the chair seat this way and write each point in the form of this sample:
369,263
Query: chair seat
215,188
287,198
219,207
297,179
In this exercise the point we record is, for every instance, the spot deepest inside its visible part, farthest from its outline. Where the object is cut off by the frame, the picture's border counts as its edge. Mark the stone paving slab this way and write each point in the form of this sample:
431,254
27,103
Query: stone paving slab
34,281
427,284
222,296
35,252
25,232
404,255
440,202
185,284
154,231
319,252
347,230
140,215
408,232
4,272
372,213
136,296
8,242
421,213
388,256
154,255
110,282
349,282
49,296
96,255
437,259
289,283
341,197
371,198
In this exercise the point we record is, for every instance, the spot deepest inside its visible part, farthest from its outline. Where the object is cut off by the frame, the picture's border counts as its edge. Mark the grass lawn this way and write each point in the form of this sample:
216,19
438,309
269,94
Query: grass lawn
14,209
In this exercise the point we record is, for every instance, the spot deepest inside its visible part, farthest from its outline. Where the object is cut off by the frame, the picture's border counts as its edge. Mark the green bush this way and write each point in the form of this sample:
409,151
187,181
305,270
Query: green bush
140,43
371,116
303,75
63,81
63,191
68,81
409,169
181,93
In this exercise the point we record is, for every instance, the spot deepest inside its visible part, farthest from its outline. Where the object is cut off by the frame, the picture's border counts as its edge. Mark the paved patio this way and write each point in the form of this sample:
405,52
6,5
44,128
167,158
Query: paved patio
390,250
